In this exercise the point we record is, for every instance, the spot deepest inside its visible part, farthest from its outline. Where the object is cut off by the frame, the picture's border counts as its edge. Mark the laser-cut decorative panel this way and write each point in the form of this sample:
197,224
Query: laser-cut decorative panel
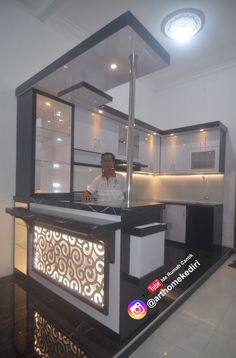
50,342
75,264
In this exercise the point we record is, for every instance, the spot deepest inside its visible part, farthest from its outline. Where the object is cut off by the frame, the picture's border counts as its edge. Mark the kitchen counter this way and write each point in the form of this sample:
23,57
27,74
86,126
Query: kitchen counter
113,208
87,253
190,202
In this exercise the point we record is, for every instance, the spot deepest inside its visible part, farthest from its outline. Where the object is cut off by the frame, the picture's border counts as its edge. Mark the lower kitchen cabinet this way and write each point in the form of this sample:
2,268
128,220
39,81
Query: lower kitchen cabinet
197,225
175,217
204,226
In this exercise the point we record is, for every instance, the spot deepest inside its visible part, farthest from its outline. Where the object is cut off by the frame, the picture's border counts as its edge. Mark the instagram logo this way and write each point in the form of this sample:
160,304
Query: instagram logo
155,286
137,309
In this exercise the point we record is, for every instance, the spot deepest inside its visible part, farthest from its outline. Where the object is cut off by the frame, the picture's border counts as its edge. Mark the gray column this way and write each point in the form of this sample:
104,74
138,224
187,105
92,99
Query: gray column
133,69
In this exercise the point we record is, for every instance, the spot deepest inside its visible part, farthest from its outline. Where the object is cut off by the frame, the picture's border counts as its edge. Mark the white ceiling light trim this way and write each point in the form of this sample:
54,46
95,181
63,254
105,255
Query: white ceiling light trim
181,25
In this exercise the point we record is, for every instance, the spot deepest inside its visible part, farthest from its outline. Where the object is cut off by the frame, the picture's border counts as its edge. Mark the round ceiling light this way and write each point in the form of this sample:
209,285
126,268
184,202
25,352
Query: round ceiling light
183,24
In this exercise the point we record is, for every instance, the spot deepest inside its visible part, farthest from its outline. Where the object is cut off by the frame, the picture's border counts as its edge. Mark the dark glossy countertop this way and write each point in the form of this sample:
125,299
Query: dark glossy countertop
87,226
115,208
191,202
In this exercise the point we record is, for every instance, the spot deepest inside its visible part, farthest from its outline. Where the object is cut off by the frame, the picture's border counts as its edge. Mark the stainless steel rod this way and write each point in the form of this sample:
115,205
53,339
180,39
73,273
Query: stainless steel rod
133,72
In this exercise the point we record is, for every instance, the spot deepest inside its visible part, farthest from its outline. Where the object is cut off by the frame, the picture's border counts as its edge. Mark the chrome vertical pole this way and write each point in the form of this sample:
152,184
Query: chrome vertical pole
133,72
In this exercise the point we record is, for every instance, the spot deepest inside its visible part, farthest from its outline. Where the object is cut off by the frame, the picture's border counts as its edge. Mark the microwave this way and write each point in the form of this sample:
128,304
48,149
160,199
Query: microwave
204,160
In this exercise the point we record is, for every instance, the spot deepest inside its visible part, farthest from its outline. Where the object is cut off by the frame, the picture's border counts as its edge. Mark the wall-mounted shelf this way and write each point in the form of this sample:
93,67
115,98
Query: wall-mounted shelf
85,95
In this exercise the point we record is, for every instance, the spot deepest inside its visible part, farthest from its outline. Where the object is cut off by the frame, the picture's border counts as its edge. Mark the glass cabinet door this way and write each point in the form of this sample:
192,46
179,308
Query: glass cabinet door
53,145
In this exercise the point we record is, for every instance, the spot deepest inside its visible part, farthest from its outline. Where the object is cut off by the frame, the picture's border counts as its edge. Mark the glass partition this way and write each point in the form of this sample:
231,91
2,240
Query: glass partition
53,145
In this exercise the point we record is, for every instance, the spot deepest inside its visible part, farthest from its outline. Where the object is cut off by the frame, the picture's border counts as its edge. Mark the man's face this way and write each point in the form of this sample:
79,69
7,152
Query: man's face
107,162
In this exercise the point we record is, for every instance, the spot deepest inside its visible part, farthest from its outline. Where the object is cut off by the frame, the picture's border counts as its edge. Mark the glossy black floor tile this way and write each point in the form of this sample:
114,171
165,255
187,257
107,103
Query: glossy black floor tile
36,323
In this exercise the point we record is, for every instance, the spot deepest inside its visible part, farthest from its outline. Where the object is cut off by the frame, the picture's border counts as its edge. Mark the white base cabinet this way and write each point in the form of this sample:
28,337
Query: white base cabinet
175,217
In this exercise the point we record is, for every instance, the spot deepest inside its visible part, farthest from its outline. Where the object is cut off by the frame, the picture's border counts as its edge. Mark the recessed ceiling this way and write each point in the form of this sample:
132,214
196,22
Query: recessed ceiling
213,47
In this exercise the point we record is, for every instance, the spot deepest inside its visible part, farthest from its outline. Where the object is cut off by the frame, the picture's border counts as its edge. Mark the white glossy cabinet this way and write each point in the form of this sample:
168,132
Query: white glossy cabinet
175,217
123,140
149,149
174,154
191,152
94,132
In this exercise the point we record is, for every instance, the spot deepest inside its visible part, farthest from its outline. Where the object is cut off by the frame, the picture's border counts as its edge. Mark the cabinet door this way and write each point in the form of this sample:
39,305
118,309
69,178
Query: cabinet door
149,151
204,151
175,217
94,132
204,226
109,136
174,154
87,130
122,143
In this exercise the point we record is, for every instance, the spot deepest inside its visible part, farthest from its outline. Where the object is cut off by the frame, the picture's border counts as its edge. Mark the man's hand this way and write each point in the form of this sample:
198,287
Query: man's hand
86,196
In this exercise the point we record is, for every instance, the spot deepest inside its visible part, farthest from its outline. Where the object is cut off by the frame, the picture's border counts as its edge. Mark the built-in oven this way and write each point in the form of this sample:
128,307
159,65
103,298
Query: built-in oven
204,160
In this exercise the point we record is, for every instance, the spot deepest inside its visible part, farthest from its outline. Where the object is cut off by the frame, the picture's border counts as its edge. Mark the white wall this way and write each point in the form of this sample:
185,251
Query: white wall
27,46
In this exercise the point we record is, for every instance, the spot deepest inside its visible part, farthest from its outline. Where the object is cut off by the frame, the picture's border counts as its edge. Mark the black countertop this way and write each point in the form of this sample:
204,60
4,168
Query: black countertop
87,226
114,208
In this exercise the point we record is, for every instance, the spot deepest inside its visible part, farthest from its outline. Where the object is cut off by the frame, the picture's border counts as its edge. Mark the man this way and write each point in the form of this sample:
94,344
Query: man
107,187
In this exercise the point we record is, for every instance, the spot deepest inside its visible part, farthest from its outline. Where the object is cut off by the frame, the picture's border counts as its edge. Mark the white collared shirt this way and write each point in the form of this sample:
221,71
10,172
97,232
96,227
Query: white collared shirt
108,189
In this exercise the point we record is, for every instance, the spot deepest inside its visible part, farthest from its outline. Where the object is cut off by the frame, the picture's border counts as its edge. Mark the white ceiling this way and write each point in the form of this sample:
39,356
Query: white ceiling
213,47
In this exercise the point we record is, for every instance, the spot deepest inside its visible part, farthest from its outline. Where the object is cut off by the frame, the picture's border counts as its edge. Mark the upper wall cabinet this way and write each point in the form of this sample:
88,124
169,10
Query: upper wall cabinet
149,149
94,132
193,151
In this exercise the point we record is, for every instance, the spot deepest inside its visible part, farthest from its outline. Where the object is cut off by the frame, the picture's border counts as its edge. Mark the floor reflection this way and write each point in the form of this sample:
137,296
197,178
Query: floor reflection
36,323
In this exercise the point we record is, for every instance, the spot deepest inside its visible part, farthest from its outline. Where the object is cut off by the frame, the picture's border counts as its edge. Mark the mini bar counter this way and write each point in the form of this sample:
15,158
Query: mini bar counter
95,278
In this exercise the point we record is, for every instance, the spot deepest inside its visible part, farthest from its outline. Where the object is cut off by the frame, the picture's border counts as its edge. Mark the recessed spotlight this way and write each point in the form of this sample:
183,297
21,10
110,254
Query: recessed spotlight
66,66
154,133
48,104
171,134
48,121
183,24
100,111
56,185
113,66
201,130
59,139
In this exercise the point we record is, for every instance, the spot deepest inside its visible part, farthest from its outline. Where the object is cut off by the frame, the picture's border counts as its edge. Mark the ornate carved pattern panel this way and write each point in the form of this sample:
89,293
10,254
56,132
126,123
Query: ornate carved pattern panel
50,342
75,264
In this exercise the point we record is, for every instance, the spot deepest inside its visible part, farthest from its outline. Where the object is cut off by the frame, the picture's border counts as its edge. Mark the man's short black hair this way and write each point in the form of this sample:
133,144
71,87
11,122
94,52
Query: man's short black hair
108,153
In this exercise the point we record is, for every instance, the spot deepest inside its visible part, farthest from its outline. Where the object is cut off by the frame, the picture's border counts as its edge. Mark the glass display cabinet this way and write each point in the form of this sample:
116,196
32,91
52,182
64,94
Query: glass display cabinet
53,145
44,144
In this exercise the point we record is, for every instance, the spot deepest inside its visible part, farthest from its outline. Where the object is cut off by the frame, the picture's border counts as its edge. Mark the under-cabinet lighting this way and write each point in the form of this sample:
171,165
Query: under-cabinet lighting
113,66
171,134
201,130
66,66
48,104
191,176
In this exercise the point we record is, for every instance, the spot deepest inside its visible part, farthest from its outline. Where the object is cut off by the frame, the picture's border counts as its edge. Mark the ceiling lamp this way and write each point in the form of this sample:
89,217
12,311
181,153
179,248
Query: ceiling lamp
181,25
